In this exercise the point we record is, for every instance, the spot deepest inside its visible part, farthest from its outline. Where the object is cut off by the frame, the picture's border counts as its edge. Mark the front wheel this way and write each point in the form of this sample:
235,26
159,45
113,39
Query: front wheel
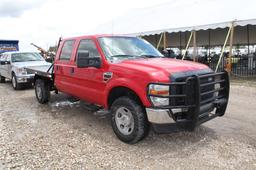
129,120
15,84
42,91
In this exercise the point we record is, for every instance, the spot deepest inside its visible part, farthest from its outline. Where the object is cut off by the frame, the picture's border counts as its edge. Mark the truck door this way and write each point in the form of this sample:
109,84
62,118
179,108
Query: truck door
88,82
9,66
2,60
6,65
1,64
62,67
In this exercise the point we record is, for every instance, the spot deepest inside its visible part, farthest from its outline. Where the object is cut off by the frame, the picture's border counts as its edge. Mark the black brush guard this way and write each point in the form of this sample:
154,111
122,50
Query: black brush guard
201,97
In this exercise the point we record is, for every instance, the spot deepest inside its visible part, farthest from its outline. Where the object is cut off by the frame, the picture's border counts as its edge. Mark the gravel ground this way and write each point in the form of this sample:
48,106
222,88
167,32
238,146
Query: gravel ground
64,135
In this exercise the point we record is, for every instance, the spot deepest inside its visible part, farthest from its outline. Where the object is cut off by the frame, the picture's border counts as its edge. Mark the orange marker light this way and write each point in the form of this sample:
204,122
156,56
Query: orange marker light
162,92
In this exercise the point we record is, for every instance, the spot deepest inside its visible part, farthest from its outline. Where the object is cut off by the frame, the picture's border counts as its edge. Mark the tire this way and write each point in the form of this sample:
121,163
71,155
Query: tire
15,84
129,121
2,79
42,91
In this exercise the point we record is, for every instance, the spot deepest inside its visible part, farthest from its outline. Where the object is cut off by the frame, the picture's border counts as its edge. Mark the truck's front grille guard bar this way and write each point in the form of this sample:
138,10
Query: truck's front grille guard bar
223,90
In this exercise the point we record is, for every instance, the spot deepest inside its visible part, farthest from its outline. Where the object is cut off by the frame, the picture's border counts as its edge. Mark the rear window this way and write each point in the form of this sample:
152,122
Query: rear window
66,51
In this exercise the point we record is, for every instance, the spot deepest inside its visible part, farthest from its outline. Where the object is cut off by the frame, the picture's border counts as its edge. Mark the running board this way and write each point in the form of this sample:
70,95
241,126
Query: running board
102,113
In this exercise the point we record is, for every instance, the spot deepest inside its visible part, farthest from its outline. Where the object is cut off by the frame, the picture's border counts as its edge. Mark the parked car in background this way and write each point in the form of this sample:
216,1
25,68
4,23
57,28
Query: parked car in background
13,66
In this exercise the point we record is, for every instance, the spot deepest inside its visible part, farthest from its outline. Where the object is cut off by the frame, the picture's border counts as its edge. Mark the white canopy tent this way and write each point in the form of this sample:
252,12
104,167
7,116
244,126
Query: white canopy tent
210,37
182,15
181,23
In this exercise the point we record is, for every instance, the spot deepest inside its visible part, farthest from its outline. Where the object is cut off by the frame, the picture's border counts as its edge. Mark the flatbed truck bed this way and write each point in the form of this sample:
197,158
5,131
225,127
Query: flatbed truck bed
43,71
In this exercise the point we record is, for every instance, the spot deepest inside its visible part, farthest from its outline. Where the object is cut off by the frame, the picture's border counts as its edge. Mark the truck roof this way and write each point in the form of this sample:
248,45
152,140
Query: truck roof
98,36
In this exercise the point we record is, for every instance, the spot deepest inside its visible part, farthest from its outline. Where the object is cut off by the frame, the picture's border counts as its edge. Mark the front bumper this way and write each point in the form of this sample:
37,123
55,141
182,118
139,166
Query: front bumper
25,78
194,100
162,116
159,116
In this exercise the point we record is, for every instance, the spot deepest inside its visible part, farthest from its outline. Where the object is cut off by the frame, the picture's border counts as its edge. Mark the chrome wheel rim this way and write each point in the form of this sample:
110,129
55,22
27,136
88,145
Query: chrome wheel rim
124,120
13,82
39,92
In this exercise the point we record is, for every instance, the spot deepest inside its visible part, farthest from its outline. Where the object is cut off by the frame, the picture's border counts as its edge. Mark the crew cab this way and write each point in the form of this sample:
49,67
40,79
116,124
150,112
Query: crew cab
129,79
13,66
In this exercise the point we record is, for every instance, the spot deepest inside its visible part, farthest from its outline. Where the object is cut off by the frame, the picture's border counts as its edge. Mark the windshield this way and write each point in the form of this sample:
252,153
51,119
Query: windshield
23,57
124,48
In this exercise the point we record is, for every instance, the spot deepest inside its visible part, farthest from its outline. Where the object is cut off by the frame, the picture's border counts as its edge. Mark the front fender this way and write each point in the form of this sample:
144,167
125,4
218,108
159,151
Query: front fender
139,88
13,70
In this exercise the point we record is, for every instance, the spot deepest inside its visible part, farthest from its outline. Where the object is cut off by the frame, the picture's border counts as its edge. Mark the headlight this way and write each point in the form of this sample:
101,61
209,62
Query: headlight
159,90
159,101
22,71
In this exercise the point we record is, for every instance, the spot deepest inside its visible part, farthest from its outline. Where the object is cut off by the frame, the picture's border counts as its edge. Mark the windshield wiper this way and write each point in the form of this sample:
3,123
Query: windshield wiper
150,56
33,60
123,55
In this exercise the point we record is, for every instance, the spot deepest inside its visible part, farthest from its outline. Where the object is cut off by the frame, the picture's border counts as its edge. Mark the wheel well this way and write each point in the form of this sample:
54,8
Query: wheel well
122,91
46,80
40,77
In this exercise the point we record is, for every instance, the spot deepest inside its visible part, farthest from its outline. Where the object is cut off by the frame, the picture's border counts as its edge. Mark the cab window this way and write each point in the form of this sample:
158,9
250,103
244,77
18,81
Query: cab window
8,57
66,51
88,45
3,57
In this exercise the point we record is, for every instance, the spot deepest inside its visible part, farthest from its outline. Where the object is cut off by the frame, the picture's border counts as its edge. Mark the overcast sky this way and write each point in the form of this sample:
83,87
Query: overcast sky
44,21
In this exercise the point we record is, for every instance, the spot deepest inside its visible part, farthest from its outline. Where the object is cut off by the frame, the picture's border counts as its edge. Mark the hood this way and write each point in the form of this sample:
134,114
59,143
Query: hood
30,63
163,67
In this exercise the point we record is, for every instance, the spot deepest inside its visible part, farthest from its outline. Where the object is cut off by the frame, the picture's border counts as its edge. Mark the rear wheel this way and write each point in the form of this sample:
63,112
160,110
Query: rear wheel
2,79
15,84
42,91
129,120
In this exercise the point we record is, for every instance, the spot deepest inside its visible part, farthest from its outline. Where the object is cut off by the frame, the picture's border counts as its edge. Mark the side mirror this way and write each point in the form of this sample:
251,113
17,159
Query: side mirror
83,60
5,62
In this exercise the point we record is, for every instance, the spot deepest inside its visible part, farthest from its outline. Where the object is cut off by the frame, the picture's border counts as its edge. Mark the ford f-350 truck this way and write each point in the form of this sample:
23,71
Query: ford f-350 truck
131,80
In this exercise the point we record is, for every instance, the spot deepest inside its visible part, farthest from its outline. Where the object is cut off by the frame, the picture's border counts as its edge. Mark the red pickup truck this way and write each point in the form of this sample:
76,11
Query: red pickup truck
129,79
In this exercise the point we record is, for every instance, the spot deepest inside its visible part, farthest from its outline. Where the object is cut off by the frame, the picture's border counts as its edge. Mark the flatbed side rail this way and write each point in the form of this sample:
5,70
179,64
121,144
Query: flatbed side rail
44,71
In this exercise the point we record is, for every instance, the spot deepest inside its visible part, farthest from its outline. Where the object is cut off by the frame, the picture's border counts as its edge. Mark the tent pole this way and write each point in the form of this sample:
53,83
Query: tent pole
186,49
155,40
223,48
159,42
195,47
248,39
180,44
229,64
209,43
165,40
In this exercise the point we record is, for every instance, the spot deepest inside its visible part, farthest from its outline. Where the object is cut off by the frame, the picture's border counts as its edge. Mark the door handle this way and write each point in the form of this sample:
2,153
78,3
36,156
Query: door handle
72,70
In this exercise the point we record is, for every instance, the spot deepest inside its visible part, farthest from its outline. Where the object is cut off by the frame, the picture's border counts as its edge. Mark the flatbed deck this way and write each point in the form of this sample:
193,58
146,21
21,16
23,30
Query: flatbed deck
45,71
